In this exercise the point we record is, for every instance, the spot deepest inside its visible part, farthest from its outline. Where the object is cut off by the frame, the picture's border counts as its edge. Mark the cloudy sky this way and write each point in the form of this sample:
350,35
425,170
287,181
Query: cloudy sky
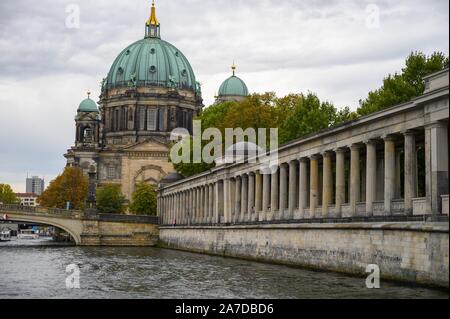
339,49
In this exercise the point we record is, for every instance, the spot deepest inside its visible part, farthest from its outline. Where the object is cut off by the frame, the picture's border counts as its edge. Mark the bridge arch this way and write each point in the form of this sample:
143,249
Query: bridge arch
73,227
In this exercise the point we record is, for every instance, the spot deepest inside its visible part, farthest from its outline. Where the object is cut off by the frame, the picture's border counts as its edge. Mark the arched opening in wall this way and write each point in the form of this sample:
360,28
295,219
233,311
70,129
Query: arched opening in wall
87,135
27,233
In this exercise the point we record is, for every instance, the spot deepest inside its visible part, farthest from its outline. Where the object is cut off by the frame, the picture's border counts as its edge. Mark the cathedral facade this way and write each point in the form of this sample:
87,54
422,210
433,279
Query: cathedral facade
150,90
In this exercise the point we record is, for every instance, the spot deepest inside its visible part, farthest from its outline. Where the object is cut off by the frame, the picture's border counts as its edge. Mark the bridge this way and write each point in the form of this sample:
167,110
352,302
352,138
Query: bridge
89,228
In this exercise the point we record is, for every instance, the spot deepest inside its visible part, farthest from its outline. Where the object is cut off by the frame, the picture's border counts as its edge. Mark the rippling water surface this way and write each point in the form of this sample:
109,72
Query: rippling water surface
34,269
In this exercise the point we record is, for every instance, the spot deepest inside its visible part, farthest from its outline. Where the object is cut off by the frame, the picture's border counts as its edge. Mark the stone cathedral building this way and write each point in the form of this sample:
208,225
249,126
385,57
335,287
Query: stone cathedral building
150,90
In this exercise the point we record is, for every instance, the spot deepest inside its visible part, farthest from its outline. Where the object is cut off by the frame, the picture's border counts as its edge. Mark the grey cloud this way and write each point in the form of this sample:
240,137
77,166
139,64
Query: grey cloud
283,46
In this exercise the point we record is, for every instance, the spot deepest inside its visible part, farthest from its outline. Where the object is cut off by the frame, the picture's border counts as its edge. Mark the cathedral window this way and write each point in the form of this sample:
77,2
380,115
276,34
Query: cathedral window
151,119
111,172
117,120
161,124
141,118
130,114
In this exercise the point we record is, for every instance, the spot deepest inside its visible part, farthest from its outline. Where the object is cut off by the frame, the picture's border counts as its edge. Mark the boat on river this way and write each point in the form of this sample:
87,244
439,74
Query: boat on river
27,234
5,235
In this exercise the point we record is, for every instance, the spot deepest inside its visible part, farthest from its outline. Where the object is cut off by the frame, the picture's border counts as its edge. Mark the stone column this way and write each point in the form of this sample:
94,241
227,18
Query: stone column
171,209
327,183
190,210
258,193
389,173
198,205
211,203
205,204
371,176
340,180
410,171
355,178
194,206
266,192
283,194
274,192
398,186
183,207
436,162
217,203
237,198
244,197
314,185
303,186
227,204
251,196
292,189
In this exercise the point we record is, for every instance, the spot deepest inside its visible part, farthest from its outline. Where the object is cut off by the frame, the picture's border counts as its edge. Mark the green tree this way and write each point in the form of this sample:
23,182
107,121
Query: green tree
304,115
399,88
7,196
71,186
110,199
144,200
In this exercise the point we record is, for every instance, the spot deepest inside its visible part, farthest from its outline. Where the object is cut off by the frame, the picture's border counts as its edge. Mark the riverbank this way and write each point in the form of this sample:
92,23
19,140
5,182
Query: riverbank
409,252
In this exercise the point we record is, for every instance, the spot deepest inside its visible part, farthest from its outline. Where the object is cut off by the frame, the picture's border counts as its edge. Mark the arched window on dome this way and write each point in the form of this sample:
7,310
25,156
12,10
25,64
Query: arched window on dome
152,76
120,76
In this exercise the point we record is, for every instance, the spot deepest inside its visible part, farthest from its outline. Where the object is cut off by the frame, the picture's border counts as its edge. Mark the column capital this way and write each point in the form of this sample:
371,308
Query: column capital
355,147
303,160
370,141
315,157
388,138
340,150
436,124
327,153
409,132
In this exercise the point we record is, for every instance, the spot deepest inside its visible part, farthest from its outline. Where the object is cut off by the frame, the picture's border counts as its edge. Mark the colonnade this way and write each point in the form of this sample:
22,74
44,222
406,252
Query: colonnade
364,179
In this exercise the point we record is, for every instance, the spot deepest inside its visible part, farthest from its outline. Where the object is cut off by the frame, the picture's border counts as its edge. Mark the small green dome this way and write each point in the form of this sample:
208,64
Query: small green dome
233,86
151,62
88,105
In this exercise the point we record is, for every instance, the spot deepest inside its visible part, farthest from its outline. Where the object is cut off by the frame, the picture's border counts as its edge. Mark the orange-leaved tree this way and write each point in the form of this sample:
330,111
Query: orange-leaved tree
69,187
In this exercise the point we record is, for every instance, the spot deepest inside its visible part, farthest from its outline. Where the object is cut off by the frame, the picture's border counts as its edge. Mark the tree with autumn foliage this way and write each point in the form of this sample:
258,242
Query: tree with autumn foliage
71,186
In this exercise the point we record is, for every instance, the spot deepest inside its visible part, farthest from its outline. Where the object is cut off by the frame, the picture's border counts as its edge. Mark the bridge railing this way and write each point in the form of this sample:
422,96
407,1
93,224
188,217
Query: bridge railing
7,208
78,214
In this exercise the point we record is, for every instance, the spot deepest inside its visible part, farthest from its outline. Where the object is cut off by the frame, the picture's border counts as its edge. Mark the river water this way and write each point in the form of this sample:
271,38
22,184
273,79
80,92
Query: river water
37,269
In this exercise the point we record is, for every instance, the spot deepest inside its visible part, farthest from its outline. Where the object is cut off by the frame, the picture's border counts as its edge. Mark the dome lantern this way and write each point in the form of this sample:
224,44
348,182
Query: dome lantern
152,26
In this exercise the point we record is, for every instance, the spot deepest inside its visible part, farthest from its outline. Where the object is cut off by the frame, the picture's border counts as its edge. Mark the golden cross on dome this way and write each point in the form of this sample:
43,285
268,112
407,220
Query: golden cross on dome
233,67
153,20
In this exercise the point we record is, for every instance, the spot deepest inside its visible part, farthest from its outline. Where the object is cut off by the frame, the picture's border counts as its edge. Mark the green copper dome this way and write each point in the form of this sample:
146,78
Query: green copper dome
88,105
233,86
151,62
